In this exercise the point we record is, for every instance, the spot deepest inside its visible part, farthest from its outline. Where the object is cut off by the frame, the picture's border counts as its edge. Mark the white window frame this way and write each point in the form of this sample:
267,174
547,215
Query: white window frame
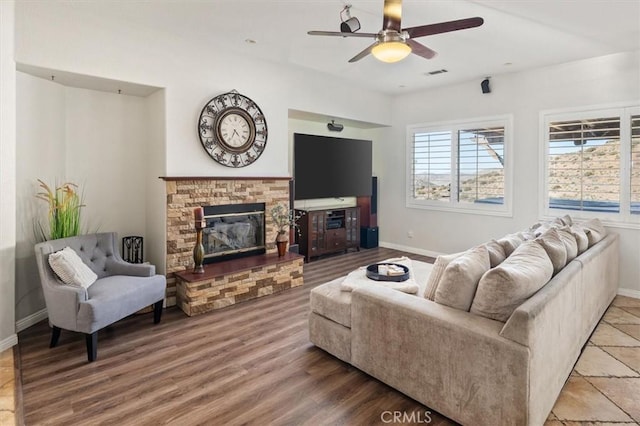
624,110
505,209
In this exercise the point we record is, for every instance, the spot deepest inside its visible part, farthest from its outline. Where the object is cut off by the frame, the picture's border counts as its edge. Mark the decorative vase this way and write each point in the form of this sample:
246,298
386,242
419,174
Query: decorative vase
198,253
281,243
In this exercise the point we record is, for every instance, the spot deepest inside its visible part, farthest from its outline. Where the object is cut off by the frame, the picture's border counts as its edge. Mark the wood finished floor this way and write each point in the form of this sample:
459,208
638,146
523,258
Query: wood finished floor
247,364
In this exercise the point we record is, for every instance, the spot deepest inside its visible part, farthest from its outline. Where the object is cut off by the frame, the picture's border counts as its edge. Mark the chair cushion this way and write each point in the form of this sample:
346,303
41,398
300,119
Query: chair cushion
117,296
68,266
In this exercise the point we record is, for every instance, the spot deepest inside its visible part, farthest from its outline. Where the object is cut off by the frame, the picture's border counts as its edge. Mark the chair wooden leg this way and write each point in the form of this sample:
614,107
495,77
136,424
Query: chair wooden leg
92,346
157,311
55,335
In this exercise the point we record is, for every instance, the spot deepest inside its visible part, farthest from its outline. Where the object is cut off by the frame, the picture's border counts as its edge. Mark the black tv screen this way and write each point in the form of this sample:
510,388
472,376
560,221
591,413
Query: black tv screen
326,167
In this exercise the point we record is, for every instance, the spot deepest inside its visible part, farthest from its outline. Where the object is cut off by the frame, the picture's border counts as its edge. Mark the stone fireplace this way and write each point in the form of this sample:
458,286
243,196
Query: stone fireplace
186,193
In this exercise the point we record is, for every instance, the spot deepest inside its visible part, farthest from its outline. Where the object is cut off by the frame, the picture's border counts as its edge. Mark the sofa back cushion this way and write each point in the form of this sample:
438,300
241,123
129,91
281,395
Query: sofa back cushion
460,278
496,253
581,238
509,243
502,289
569,242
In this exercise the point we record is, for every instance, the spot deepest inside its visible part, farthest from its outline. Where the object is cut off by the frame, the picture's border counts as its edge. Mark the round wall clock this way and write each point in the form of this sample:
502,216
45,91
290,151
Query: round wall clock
232,129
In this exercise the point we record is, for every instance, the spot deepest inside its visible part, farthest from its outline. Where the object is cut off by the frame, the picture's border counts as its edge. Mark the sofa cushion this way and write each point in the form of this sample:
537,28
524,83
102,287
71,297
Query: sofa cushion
331,302
566,220
496,253
553,245
509,243
595,230
569,242
581,238
436,273
502,289
71,270
460,278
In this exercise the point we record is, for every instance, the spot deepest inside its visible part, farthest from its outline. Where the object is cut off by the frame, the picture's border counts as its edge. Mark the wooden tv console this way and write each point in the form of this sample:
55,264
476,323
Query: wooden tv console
325,231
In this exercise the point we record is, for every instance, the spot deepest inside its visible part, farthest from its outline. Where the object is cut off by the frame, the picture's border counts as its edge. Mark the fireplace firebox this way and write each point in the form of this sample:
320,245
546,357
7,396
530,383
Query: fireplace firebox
233,231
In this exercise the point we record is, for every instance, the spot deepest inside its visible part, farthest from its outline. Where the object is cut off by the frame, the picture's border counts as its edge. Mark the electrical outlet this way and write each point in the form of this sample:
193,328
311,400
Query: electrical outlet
410,234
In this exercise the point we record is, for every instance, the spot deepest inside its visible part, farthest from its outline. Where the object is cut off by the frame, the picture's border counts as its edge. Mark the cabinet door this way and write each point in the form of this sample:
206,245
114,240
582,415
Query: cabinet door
317,237
352,226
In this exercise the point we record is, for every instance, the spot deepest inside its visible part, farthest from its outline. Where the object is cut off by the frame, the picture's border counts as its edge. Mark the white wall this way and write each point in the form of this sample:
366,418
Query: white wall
8,337
56,35
96,139
40,155
603,80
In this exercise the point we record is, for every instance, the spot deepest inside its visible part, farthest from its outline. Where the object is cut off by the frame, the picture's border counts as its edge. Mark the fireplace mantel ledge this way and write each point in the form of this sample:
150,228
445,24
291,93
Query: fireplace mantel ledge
174,178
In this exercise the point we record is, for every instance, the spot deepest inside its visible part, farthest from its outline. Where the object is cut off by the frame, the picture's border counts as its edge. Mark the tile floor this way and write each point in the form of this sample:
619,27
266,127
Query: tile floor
604,388
7,386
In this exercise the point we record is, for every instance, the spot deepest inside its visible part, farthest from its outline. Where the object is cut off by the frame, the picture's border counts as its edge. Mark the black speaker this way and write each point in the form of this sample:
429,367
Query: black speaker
374,195
485,86
369,237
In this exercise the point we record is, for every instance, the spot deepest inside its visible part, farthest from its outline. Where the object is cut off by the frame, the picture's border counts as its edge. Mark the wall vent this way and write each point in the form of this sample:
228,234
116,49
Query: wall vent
442,71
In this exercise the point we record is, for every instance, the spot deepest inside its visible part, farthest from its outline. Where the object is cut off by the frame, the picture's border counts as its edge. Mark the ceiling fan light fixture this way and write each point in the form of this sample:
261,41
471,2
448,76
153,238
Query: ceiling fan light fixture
391,51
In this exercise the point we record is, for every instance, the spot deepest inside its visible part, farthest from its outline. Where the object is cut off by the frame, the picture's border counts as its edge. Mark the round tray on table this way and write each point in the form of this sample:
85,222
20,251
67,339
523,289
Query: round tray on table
372,273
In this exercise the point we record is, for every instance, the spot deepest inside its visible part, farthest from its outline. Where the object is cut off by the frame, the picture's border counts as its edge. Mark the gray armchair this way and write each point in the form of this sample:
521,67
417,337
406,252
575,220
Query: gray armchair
121,289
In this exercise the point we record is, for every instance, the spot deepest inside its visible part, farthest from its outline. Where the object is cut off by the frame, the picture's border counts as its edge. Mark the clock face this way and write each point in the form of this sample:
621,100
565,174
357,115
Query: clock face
232,130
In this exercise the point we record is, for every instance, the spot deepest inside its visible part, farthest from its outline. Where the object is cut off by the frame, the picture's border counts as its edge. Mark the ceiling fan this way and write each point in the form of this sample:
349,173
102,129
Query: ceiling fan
394,43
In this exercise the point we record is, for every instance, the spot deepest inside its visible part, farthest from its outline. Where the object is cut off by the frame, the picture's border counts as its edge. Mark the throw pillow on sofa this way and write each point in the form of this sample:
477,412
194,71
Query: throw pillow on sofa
496,253
71,270
581,238
595,230
436,273
502,289
553,245
509,243
569,241
460,278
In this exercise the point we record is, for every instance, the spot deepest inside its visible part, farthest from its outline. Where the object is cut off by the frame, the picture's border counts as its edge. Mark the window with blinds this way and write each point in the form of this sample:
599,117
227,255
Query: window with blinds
459,165
583,165
481,165
635,165
431,175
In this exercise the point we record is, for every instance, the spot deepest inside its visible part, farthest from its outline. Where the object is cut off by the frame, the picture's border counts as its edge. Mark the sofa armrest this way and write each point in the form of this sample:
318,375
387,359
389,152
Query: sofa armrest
63,302
452,361
120,267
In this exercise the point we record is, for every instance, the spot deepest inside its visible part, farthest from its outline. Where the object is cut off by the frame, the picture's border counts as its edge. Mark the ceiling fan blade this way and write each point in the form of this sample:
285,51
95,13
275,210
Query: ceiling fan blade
362,54
392,15
421,49
444,27
339,34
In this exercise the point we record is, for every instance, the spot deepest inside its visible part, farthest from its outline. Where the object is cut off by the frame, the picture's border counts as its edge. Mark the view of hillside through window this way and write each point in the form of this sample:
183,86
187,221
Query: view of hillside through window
584,164
478,171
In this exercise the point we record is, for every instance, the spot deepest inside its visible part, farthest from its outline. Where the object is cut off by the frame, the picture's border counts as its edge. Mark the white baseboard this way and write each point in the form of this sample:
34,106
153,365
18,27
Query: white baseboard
32,319
9,342
629,293
409,249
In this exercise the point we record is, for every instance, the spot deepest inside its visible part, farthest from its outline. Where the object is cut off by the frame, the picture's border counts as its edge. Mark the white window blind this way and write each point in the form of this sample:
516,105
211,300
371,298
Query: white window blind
583,164
635,164
431,174
481,165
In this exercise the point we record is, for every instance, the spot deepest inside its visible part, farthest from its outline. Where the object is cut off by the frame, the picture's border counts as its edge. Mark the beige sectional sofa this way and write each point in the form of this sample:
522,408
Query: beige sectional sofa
470,368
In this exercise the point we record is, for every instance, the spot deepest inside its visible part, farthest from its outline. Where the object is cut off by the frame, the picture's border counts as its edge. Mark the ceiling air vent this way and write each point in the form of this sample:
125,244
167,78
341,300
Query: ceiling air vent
442,71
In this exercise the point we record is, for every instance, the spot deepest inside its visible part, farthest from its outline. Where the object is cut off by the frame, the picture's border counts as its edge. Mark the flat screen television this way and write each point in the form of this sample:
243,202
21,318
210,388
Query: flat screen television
328,167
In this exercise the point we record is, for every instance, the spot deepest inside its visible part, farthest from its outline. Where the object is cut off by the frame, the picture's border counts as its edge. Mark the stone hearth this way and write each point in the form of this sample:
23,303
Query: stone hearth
186,193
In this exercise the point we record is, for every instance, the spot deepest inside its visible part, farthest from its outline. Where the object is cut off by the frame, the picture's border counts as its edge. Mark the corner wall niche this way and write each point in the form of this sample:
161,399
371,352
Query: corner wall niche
186,193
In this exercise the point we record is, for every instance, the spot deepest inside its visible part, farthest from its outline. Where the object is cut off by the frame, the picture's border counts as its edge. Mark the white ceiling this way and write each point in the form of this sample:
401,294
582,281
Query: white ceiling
516,35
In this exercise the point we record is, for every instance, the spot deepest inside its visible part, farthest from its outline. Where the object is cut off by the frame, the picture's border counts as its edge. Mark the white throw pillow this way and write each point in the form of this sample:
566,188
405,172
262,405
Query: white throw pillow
68,266
460,278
